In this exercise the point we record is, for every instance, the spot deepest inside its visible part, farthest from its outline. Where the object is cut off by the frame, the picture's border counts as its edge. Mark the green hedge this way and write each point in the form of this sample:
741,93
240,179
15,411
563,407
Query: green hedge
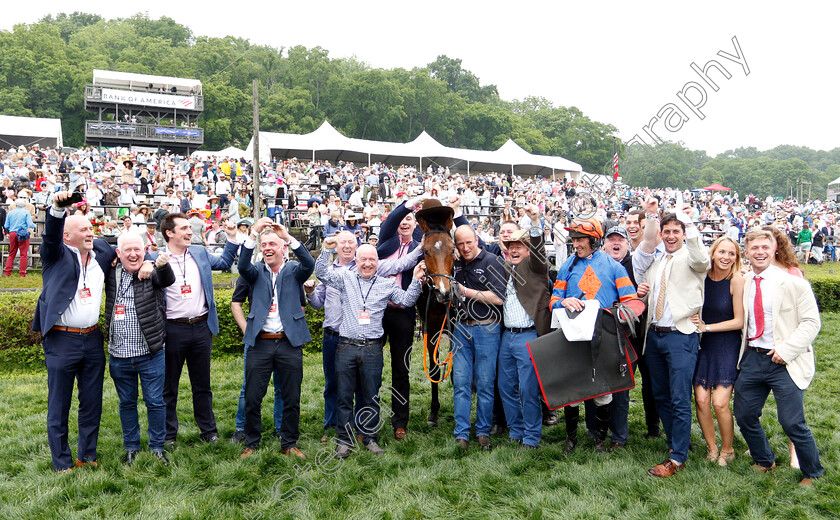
20,347
827,291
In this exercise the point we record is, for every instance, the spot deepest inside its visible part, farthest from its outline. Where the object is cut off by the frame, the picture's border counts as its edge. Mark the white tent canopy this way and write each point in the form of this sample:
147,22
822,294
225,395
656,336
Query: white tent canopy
327,143
231,152
130,80
26,131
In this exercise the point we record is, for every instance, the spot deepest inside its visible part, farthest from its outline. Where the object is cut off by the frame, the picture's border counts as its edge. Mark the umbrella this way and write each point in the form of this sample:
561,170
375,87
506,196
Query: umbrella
717,187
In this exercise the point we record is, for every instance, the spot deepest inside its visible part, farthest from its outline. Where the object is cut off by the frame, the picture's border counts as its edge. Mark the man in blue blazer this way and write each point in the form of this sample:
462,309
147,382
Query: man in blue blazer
191,321
67,315
276,330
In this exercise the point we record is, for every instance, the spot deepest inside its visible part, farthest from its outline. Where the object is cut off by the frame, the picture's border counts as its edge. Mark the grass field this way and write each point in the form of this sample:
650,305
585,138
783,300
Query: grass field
422,476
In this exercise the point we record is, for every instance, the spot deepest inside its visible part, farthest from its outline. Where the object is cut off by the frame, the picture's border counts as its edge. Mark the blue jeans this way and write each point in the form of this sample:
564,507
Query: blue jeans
758,376
519,388
671,358
476,355
330,344
278,401
353,365
150,370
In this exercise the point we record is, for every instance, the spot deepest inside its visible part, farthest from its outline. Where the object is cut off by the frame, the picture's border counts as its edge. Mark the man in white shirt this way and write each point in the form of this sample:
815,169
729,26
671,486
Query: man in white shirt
74,269
674,285
776,354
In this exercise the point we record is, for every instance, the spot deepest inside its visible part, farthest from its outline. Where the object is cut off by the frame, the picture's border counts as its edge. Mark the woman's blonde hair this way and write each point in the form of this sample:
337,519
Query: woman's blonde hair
736,266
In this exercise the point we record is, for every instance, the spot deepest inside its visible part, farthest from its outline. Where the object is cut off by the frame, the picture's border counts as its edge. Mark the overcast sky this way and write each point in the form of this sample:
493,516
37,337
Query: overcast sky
618,62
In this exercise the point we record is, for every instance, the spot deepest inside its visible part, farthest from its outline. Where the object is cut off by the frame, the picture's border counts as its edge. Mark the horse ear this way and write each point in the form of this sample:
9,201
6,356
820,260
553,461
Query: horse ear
423,225
449,223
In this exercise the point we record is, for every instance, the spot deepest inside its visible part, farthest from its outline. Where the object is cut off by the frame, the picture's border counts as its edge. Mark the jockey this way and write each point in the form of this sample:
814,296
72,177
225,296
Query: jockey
590,274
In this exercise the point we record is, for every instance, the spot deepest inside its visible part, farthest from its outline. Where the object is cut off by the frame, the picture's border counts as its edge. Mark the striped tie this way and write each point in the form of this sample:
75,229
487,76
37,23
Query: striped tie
660,300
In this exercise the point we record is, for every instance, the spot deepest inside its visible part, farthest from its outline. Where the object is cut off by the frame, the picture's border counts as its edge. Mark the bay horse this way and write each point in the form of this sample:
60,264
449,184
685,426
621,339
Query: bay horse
435,304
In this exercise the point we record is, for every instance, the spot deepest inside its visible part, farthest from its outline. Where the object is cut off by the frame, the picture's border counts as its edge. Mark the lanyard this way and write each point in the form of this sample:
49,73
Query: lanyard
365,297
84,271
120,291
183,266
273,285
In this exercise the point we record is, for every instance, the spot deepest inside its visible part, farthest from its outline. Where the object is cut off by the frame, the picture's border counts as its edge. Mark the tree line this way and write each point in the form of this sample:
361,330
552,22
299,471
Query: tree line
44,67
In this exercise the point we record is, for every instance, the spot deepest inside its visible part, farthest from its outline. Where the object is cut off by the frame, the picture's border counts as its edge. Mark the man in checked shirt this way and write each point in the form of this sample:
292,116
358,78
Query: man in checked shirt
364,296
134,319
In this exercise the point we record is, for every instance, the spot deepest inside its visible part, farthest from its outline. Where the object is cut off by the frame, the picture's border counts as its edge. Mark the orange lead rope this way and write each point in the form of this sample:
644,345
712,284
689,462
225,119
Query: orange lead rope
447,362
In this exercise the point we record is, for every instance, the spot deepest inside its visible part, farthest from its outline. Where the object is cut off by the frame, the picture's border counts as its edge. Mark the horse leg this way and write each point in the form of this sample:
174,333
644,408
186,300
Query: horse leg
434,374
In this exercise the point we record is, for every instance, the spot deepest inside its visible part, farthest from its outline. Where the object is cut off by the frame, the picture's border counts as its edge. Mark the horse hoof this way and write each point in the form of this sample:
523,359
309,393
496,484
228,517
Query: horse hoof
432,420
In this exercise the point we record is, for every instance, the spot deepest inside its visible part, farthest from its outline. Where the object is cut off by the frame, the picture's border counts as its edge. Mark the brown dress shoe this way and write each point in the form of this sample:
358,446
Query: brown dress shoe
294,451
247,452
463,443
666,469
400,433
484,442
80,464
805,482
764,469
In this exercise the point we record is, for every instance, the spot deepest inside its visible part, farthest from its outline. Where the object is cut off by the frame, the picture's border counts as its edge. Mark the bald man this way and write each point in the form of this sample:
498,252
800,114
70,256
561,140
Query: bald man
75,265
330,300
364,296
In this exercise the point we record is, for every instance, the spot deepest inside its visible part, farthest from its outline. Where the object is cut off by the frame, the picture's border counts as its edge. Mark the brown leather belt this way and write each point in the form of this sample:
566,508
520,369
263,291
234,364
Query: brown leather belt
75,330
472,323
189,321
663,330
271,335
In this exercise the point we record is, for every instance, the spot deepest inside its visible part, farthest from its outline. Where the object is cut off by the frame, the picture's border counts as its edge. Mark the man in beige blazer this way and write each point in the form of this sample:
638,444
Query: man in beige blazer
674,287
776,354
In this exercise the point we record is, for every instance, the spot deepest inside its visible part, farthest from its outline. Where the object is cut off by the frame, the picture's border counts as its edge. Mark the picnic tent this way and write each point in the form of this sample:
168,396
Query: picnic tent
27,131
328,144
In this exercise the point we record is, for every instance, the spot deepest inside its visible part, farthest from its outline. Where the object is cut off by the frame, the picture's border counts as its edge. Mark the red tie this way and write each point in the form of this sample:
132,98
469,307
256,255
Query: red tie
758,310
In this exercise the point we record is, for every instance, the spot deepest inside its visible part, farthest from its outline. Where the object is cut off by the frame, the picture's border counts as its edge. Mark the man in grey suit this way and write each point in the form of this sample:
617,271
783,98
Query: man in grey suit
276,330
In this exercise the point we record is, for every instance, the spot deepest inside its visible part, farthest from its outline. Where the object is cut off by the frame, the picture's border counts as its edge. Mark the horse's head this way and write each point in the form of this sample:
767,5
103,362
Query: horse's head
438,252
435,220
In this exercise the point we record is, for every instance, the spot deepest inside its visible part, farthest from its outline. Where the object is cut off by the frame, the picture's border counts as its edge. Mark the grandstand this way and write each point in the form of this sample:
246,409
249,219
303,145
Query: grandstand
145,111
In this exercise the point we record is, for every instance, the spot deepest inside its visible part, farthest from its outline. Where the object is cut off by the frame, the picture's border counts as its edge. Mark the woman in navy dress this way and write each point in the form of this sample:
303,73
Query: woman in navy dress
720,344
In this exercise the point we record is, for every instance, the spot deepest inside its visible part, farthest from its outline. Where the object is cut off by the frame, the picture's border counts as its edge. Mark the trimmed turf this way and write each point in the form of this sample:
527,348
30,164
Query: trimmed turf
423,476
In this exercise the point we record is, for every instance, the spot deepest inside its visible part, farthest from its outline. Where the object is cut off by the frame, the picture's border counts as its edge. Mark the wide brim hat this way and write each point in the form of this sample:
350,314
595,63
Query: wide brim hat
435,215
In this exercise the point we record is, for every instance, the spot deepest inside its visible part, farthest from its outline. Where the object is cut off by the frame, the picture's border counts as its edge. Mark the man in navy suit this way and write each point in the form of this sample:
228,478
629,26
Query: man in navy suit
191,321
67,315
276,330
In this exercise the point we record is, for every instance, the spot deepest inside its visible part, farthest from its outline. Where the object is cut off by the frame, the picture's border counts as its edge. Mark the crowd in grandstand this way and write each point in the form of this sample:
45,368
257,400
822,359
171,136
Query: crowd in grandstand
315,198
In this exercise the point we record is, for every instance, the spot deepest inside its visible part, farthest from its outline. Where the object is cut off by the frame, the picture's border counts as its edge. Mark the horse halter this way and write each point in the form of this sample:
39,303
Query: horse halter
430,277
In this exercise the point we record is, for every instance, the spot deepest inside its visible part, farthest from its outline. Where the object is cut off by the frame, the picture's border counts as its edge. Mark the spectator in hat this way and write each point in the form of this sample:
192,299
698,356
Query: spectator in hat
352,225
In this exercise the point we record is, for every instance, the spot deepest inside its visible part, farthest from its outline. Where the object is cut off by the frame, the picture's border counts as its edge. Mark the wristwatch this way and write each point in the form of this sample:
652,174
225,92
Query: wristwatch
708,328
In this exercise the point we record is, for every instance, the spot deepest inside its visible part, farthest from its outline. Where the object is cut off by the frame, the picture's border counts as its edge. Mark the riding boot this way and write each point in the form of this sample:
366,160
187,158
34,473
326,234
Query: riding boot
572,415
602,422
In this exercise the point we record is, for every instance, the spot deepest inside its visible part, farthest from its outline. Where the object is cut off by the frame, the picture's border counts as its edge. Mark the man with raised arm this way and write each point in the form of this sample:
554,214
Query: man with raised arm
364,296
276,330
